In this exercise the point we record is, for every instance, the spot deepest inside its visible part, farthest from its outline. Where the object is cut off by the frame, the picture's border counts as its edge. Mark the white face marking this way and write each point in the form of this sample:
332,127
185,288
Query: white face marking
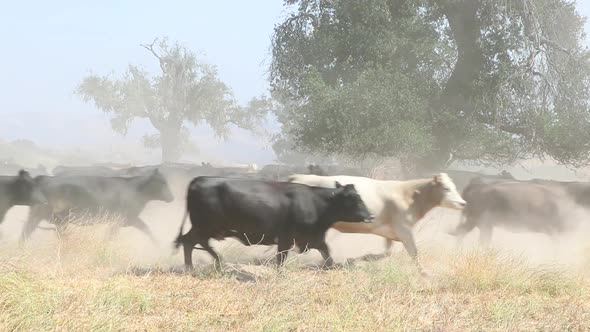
452,199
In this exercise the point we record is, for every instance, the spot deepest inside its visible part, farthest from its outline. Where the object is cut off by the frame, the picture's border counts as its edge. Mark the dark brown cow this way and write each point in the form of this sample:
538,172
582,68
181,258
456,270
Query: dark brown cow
521,206
463,178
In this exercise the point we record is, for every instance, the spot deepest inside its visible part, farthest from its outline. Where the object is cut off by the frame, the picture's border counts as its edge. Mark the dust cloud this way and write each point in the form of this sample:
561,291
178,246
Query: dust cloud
88,245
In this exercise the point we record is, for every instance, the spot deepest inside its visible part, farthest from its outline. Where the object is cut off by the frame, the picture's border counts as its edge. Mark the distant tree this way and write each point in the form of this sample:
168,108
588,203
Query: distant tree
25,144
431,81
287,152
186,91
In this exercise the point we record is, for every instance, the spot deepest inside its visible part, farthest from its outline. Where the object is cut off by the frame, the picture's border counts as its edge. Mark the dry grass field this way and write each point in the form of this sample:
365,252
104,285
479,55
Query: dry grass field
81,283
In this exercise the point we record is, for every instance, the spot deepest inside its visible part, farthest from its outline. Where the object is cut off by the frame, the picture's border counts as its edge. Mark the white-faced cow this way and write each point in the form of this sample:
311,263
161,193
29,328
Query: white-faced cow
396,205
19,190
266,213
72,198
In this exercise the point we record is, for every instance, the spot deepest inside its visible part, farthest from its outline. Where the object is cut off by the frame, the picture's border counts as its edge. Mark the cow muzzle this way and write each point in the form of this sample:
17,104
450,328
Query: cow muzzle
455,205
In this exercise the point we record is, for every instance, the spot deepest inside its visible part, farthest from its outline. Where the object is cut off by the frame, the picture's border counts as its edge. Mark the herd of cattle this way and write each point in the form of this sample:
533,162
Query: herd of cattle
290,206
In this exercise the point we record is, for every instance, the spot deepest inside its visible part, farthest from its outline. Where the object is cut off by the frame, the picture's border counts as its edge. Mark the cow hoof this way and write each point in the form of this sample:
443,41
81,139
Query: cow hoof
329,267
335,266
281,272
218,269
328,263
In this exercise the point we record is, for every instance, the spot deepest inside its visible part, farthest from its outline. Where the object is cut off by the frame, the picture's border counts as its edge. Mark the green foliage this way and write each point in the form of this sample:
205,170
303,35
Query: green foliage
187,90
485,80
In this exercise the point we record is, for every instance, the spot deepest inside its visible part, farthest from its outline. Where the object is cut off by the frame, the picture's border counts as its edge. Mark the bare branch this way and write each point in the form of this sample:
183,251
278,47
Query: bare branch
450,160
150,47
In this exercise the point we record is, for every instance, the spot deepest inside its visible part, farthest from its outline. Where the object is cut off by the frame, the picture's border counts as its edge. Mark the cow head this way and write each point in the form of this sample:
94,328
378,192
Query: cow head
156,187
315,169
445,192
25,191
348,205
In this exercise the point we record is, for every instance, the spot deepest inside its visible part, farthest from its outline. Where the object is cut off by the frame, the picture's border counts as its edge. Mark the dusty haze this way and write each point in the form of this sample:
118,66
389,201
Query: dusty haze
570,252
130,284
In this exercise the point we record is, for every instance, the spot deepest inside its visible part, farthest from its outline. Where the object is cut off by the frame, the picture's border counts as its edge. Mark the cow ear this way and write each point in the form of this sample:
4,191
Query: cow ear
338,185
24,174
437,179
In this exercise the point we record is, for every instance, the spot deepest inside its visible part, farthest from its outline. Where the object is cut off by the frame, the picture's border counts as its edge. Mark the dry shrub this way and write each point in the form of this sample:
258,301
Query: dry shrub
480,271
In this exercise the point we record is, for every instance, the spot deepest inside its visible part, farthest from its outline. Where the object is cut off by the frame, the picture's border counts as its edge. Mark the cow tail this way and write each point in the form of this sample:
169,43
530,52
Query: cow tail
178,240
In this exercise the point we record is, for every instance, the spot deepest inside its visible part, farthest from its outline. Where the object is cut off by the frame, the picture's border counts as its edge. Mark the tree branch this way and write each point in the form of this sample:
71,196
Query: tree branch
533,28
555,45
150,48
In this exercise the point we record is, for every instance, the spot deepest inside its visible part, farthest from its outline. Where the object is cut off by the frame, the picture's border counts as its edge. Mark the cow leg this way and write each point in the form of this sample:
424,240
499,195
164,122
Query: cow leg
283,251
388,246
30,225
485,236
322,247
2,215
405,235
467,224
37,213
112,231
60,229
209,249
142,227
189,241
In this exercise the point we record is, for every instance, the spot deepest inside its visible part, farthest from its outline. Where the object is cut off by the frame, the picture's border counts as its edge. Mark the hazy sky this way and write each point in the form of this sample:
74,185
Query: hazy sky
48,46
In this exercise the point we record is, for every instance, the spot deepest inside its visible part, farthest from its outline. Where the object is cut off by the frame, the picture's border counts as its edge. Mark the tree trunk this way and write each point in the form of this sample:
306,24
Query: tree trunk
170,144
459,90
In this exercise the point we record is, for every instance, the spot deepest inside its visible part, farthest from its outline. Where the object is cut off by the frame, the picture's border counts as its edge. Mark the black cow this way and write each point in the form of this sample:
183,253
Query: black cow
463,178
19,190
74,197
172,170
266,213
316,169
9,169
85,171
282,172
